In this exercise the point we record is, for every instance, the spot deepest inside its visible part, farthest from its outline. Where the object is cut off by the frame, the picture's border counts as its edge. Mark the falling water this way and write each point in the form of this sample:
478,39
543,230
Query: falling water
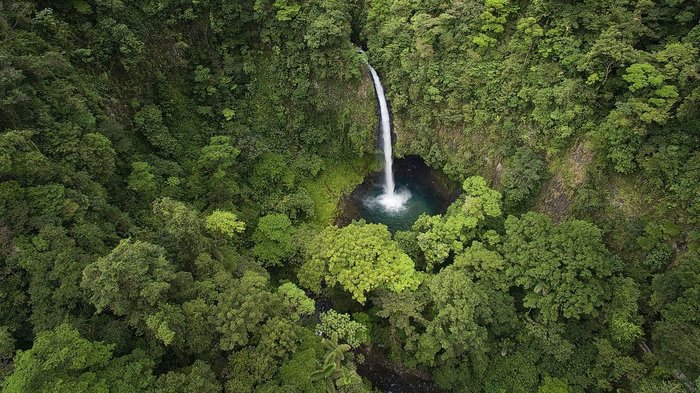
389,187
391,200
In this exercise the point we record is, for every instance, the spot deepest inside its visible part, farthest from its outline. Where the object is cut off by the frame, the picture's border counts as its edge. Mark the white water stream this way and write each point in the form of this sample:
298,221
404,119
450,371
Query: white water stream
391,200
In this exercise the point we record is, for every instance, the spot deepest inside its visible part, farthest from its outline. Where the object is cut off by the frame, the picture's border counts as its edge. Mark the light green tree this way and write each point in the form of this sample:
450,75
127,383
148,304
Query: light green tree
338,371
553,385
142,179
359,258
340,327
61,360
484,265
225,223
441,236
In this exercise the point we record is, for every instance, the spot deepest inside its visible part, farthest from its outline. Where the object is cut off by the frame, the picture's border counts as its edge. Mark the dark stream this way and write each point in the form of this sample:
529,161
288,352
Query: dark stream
390,379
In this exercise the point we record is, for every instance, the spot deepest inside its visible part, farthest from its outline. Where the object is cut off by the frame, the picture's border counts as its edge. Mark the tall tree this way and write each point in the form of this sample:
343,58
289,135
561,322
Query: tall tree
273,239
359,258
61,360
131,281
441,237
564,269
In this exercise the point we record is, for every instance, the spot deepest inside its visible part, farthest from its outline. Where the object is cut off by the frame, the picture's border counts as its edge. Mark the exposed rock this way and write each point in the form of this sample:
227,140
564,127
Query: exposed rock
556,195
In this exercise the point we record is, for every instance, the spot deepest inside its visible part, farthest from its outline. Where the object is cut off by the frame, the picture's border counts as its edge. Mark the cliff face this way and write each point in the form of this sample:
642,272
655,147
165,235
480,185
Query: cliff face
457,151
556,196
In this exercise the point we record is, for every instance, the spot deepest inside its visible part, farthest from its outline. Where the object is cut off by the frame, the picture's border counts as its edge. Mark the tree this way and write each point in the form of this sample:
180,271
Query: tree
279,337
271,171
521,177
219,155
97,156
142,179
564,269
612,365
250,369
246,304
21,158
273,239
232,109
295,373
483,265
493,19
293,302
215,177
198,377
7,352
131,281
553,385
340,327
328,28
463,313
653,99
168,324
515,372
338,372
54,266
150,122
622,314
439,237
297,205
360,258
404,313
285,11
676,297
49,204
182,225
225,223
480,201
61,360
548,340
198,335
241,310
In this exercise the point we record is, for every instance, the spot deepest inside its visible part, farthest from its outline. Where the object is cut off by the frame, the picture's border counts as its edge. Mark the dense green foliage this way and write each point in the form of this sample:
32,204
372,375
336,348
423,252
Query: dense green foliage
170,171
360,258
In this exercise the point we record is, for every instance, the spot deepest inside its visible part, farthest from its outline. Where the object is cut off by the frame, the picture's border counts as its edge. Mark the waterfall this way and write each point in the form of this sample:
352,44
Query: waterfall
391,200
389,187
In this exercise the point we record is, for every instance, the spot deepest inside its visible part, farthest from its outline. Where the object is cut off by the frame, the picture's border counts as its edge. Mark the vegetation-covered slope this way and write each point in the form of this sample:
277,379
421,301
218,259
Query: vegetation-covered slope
169,170
503,85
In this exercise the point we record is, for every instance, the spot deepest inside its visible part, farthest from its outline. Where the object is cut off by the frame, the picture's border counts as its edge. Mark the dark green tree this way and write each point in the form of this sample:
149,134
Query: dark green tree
273,240
132,281
564,269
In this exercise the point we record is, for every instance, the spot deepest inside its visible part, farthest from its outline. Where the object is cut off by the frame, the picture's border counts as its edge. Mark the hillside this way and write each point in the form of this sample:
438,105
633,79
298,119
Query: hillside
171,172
